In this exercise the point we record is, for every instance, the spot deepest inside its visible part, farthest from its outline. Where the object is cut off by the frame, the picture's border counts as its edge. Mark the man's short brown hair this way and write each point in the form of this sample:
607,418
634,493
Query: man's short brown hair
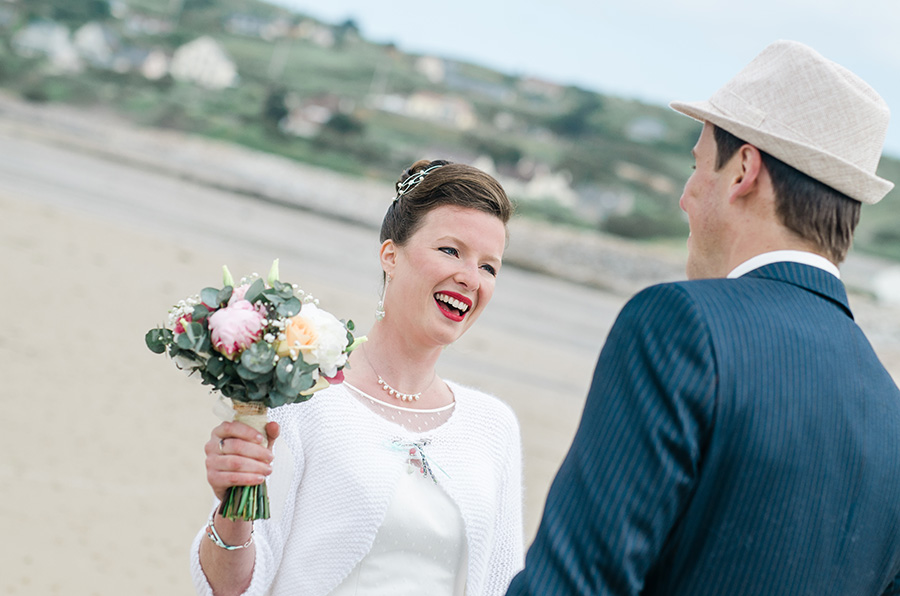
812,210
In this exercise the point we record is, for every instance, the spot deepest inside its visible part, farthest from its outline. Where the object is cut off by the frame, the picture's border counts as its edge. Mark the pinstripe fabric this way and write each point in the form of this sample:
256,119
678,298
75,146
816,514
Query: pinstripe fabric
740,437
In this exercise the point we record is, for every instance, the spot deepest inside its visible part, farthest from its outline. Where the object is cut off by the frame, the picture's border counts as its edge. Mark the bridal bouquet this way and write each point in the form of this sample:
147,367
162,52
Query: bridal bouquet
263,344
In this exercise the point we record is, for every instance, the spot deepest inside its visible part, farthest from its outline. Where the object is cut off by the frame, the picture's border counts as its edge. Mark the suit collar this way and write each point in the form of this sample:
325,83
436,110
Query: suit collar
807,277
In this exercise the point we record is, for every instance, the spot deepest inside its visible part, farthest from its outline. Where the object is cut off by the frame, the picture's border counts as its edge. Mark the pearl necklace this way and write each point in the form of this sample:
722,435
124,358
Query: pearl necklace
399,394
393,392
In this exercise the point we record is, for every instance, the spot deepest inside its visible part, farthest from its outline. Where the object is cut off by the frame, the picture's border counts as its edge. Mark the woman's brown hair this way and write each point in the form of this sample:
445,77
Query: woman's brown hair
426,185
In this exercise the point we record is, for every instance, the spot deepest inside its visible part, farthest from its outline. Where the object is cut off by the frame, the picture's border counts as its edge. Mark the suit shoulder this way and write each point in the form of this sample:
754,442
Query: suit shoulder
661,302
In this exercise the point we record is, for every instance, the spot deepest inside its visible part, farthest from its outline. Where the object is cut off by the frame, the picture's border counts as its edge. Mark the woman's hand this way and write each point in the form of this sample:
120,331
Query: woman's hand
237,455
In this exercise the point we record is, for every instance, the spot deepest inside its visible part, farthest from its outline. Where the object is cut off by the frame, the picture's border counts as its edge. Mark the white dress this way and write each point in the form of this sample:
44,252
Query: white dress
348,518
419,549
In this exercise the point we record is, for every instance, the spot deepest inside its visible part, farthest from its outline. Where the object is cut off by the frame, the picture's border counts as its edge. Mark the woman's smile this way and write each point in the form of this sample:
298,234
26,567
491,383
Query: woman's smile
454,306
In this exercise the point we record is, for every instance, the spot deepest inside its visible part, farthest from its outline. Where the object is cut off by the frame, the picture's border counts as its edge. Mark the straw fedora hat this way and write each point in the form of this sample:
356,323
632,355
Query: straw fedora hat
807,111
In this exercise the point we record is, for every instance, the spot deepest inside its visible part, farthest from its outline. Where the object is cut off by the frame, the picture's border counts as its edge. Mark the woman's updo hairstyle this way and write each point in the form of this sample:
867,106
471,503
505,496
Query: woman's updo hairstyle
429,184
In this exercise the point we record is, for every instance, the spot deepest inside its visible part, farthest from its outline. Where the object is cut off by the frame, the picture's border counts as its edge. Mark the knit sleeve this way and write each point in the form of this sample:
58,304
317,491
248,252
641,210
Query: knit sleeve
268,535
506,558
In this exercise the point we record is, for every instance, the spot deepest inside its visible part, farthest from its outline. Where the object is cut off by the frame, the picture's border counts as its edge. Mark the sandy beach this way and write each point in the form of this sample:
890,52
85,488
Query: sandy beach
103,460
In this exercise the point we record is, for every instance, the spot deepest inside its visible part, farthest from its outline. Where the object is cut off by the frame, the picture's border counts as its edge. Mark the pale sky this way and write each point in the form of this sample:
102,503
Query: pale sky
652,50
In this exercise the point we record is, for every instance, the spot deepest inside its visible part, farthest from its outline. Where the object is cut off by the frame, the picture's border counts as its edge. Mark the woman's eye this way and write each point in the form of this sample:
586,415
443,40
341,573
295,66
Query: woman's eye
449,250
490,269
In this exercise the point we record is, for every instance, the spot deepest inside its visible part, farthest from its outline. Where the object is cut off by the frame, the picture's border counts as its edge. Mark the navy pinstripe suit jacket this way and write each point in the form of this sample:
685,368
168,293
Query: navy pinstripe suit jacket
740,437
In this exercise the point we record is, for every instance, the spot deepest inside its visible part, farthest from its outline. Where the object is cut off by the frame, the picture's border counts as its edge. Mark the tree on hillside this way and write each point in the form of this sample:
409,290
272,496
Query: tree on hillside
577,121
71,12
274,107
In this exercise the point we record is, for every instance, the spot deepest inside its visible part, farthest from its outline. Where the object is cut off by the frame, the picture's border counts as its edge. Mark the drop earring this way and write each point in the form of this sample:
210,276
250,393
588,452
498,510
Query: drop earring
379,309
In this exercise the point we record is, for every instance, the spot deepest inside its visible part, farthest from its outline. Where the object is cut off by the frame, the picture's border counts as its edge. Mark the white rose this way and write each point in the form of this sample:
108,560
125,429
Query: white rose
327,351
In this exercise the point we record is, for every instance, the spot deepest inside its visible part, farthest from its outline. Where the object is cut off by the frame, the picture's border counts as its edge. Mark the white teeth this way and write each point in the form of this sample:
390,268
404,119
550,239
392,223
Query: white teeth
462,306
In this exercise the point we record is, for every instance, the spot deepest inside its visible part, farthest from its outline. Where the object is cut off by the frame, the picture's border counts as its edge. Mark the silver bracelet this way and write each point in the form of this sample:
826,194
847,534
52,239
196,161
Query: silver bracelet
214,536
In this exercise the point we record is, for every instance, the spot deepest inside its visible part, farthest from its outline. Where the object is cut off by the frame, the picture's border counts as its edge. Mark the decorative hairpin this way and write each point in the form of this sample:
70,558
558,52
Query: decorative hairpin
413,181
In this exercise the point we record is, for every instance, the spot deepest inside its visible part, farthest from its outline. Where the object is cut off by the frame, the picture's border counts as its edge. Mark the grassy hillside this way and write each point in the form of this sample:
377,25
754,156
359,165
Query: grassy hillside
625,161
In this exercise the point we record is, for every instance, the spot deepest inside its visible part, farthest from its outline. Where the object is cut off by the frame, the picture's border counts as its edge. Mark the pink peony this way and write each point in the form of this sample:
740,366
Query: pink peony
238,294
235,327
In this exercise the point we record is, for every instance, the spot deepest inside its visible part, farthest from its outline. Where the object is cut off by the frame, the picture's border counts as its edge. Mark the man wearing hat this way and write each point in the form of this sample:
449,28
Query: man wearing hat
740,436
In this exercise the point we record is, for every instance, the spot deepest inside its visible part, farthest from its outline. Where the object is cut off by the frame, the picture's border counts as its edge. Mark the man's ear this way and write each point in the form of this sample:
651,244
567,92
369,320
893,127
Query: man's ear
747,168
388,255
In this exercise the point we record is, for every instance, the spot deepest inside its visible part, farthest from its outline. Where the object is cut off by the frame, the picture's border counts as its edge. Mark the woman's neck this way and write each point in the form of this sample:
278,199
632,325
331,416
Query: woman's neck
388,358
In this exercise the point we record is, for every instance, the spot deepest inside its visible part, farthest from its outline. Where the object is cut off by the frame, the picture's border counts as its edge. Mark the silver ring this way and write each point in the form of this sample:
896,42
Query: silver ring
221,444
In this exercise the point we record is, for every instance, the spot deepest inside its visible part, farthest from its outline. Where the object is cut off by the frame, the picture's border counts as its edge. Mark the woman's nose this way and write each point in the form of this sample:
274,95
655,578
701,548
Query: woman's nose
467,276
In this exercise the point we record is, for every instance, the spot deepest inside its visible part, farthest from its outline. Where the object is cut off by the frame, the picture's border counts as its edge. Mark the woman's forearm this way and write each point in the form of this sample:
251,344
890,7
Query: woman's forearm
228,571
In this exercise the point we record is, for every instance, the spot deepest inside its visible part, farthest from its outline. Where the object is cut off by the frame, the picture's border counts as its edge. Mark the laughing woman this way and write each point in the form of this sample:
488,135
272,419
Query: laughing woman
396,482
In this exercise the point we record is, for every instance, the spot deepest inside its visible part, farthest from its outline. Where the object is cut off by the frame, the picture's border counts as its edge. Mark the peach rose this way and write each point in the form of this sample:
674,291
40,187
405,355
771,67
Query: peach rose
299,334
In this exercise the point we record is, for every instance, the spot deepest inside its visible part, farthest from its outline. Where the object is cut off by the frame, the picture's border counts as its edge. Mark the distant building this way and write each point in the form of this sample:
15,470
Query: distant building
155,66
306,118
656,182
432,68
541,88
50,40
532,182
316,33
646,130
141,24
204,62
255,26
455,112
97,44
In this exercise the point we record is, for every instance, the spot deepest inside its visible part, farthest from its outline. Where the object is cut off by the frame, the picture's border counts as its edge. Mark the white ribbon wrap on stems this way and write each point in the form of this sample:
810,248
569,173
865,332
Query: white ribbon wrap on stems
252,413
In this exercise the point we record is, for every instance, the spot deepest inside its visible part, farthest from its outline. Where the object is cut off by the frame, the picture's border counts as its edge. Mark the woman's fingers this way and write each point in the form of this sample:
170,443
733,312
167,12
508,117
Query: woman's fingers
272,430
237,455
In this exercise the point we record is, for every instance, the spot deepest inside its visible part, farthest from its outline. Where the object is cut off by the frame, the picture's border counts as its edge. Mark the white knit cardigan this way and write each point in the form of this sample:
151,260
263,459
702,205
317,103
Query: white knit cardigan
334,475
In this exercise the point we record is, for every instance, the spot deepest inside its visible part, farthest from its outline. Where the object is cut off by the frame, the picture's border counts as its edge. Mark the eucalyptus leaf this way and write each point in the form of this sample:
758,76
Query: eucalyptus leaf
282,370
255,290
196,333
224,295
259,358
200,312
158,339
304,366
277,398
245,373
209,297
283,290
306,381
289,307
256,392
183,341
215,365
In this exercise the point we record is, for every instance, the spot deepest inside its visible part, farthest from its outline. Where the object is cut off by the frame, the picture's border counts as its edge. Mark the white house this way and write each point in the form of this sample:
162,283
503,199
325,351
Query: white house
455,112
156,66
45,38
204,62
97,44
432,68
306,118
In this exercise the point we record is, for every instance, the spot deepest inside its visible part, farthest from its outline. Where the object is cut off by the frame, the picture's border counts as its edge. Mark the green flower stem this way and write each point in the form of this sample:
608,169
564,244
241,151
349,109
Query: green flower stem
245,503
248,502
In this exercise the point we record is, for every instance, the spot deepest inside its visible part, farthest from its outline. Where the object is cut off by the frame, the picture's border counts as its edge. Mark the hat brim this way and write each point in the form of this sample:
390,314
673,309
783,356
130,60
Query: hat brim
839,174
